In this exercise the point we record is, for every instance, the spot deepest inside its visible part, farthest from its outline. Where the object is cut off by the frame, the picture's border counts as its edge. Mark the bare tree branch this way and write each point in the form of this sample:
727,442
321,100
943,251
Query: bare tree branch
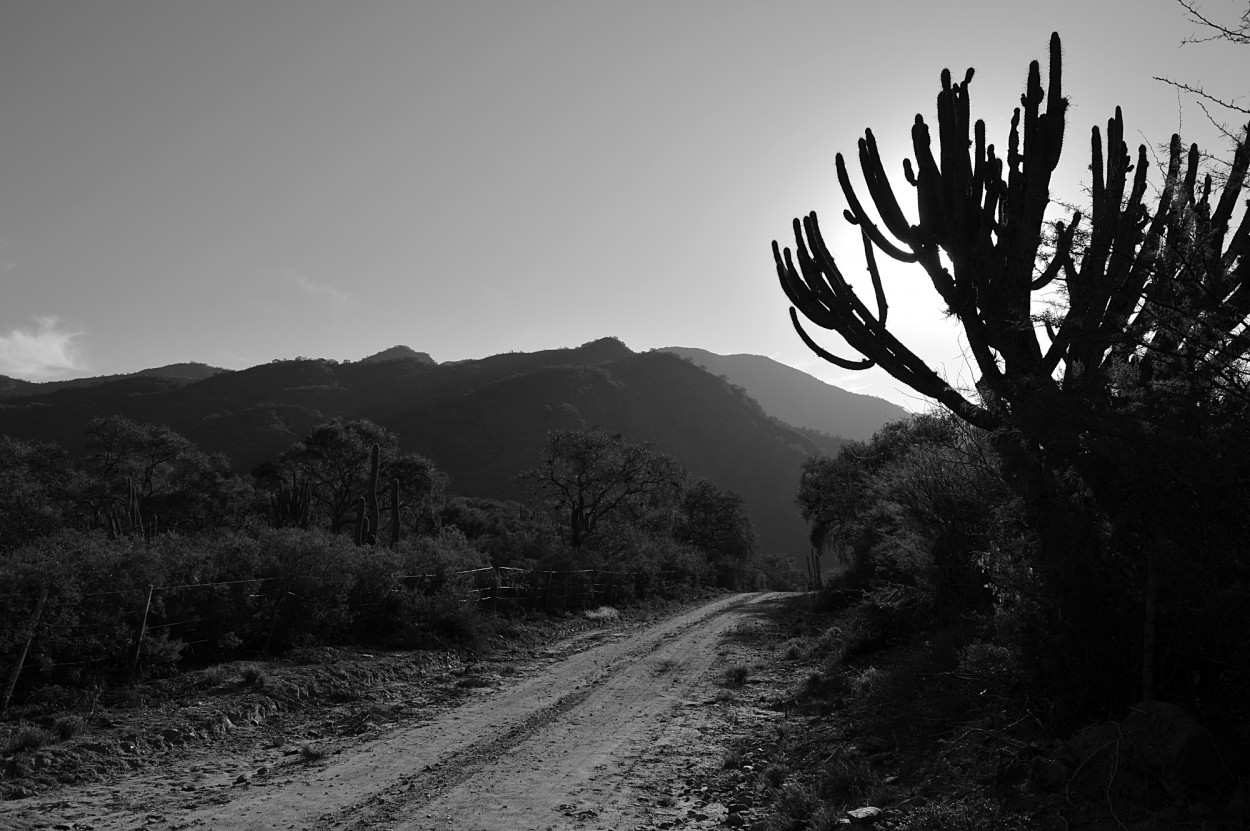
1238,34
1201,93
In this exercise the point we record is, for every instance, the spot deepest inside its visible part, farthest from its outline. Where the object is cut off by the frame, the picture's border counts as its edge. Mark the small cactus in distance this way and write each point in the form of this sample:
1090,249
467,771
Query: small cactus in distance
394,512
291,503
371,496
362,522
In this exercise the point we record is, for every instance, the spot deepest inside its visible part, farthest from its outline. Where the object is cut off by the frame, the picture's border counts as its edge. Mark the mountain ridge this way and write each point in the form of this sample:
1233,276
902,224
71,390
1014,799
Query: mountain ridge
482,421
797,398
185,371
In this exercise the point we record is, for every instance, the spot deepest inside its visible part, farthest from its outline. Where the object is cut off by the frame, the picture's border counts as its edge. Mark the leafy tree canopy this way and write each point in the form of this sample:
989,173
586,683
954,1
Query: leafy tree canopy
176,484
33,479
334,461
589,475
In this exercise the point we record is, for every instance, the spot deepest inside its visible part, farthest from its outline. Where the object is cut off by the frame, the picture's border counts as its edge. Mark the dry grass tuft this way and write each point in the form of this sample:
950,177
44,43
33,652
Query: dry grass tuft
736,676
27,738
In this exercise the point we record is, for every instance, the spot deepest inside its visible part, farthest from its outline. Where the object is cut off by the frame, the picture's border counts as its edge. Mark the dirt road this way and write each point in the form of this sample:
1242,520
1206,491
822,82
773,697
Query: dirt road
581,744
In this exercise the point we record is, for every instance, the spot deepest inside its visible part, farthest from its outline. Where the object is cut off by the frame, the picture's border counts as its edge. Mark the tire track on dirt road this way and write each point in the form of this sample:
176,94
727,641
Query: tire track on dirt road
553,751
569,764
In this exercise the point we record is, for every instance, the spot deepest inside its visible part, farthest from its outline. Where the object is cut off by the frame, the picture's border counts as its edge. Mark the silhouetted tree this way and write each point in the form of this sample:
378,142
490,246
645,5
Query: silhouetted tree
334,460
588,475
34,477
717,523
834,490
137,476
1130,366
1209,29
1153,290
508,532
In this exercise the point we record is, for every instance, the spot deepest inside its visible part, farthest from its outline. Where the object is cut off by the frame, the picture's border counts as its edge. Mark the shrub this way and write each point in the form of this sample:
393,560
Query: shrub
312,573
792,650
988,665
867,683
796,803
313,655
441,555
828,818
66,727
27,738
93,589
450,618
253,675
974,813
775,775
846,776
736,676
215,675
904,608
160,655
863,630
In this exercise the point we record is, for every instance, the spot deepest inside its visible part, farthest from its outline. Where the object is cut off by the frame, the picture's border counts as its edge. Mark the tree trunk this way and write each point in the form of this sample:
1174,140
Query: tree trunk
21,659
1149,635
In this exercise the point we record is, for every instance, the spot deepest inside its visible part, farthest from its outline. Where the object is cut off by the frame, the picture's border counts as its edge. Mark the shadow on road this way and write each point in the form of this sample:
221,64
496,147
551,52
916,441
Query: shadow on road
778,611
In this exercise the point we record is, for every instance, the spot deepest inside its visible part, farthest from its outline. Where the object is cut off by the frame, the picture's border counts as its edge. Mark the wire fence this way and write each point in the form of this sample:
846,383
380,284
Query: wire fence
149,627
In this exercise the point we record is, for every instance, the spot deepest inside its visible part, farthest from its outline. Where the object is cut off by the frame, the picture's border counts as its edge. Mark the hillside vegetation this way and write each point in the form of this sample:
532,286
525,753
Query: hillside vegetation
479,421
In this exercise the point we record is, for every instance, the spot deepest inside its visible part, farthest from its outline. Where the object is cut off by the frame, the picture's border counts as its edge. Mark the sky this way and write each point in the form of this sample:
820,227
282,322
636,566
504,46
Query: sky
237,181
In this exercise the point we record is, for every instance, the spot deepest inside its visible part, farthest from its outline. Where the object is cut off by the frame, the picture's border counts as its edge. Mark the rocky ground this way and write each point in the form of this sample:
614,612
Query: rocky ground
732,713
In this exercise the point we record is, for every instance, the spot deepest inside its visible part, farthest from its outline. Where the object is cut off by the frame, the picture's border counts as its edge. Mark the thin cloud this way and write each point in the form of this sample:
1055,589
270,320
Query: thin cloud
41,353
322,292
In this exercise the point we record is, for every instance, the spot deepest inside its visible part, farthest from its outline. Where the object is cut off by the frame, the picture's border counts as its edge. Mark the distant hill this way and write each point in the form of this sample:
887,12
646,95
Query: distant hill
482,421
398,353
796,397
186,371
13,387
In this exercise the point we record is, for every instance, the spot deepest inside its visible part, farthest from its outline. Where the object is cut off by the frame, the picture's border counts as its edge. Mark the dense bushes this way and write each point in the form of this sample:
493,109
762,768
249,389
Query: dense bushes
929,525
147,554
217,596
914,509
214,596
616,501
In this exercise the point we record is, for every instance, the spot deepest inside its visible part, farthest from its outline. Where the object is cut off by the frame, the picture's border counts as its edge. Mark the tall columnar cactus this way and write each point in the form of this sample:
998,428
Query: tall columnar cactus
290,505
978,236
1157,299
371,495
394,513
813,569
362,523
133,515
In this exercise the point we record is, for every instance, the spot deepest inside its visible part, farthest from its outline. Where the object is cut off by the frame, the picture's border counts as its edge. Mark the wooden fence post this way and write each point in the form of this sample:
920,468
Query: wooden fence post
277,609
21,659
143,625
